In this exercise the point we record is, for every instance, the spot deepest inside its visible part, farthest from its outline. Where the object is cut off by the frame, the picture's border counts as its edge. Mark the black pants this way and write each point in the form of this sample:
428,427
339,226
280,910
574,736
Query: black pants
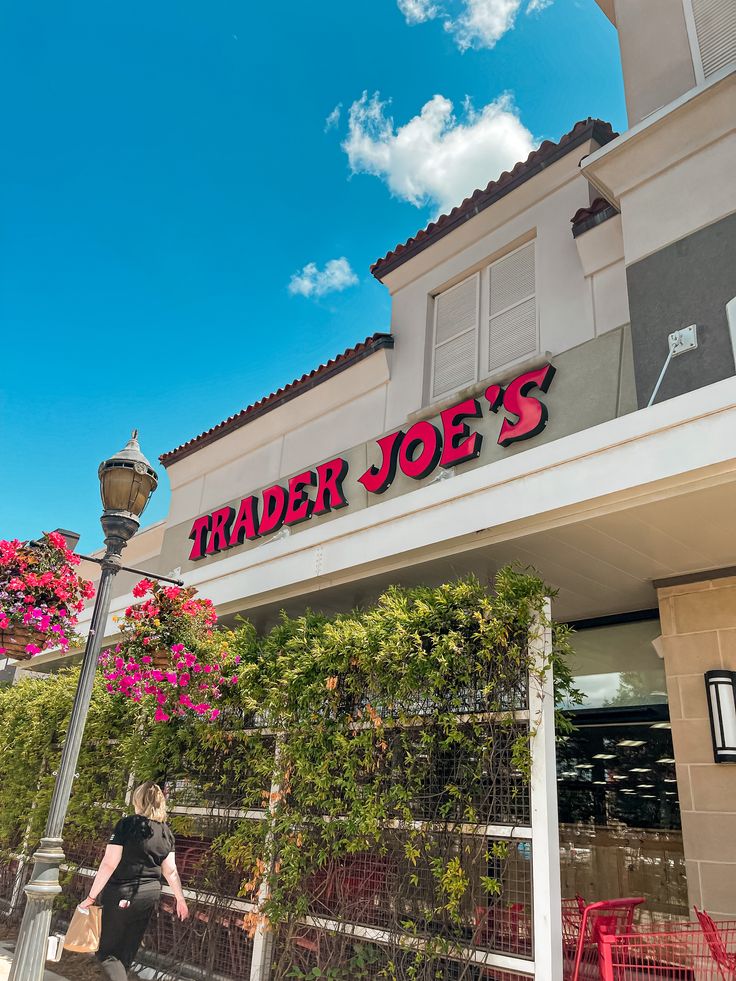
123,927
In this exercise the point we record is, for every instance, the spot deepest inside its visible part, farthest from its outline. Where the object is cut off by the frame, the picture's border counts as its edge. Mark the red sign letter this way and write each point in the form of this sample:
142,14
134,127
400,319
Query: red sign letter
379,479
221,521
459,444
199,532
274,508
531,413
246,522
330,495
427,436
299,507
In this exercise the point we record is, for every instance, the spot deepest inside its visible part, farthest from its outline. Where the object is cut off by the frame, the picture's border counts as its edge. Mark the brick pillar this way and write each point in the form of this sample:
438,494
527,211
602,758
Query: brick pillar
698,634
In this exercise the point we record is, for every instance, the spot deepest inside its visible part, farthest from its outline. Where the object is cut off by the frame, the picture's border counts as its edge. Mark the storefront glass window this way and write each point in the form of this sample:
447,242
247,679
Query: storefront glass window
616,665
618,803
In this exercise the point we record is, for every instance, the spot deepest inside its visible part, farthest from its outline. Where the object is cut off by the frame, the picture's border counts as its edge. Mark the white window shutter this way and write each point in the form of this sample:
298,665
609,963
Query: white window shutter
512,324
455,353
715,25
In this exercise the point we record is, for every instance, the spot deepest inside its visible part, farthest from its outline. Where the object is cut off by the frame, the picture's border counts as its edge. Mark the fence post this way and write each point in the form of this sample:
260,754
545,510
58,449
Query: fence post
262,957
546,888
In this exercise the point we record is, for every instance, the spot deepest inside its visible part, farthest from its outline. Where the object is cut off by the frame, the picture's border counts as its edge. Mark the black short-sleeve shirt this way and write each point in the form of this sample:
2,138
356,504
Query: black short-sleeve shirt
146,843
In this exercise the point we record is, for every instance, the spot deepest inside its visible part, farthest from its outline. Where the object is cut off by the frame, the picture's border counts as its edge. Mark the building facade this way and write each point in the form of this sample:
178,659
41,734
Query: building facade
506,418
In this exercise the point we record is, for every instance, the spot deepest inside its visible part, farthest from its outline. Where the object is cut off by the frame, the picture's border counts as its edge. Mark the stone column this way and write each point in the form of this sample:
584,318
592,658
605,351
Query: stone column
699,633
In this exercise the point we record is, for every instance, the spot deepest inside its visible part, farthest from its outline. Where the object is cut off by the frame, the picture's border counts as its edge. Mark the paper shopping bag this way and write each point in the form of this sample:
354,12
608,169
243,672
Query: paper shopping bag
83,935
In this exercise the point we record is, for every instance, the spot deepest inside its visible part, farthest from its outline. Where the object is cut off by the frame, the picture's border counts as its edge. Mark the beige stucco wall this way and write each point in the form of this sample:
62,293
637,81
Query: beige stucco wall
655,54
672,174
699,634
594,383
581,296
539,210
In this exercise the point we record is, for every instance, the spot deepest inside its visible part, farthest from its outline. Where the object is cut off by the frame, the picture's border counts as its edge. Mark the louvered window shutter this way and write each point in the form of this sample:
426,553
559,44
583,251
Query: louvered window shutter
715,25
512,321
455,337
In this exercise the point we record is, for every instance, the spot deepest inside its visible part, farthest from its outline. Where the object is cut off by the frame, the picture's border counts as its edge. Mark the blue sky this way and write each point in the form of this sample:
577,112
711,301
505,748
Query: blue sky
169,170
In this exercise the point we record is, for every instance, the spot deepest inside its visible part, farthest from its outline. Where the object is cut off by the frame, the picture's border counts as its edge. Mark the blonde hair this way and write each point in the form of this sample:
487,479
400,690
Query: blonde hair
149,800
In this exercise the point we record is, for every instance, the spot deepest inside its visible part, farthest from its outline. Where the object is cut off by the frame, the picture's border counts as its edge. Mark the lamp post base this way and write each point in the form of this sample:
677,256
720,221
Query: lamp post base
41,892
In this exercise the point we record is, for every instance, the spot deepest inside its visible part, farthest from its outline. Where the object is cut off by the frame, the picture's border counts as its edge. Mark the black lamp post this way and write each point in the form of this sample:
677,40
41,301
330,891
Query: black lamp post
127,482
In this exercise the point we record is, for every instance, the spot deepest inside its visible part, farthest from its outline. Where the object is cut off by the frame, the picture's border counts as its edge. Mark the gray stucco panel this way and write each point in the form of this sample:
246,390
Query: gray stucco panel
689,282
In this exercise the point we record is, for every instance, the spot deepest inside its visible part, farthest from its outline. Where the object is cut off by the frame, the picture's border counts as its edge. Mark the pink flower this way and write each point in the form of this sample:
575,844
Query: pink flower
143,587
214,713
57,540
184,680
160,716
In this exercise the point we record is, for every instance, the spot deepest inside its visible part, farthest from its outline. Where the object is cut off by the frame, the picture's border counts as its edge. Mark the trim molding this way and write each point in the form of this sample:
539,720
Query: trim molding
727,572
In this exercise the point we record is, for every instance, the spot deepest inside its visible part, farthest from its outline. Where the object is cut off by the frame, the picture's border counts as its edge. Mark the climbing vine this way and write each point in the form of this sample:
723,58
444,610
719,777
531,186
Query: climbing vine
354,776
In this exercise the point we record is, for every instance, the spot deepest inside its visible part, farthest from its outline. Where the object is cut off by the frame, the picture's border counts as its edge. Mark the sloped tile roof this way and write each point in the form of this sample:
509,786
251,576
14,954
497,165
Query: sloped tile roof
545,154
585,218
300,385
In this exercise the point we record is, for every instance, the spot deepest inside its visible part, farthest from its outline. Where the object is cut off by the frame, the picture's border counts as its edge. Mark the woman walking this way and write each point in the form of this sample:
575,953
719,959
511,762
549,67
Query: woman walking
128,881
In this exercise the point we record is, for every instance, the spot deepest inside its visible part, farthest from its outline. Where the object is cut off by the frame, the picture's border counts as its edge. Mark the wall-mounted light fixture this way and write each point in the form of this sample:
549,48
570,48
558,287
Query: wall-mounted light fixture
720,691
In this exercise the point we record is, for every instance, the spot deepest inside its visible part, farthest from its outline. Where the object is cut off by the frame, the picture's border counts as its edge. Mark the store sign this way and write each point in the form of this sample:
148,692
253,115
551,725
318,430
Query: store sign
415,453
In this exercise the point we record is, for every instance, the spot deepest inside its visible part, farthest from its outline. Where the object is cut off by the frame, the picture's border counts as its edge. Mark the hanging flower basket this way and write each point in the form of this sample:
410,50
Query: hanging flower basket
161,658
15,642
41,596
170,657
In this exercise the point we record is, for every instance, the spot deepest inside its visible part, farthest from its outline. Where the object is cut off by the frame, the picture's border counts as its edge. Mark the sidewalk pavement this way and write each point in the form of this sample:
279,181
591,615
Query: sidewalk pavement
6,959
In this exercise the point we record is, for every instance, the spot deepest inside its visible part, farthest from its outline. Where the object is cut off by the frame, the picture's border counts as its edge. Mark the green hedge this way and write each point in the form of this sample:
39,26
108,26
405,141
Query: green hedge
380,716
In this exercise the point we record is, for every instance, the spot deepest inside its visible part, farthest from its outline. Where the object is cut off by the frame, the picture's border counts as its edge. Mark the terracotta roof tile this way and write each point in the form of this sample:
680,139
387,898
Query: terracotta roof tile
327,370
585,218
545,154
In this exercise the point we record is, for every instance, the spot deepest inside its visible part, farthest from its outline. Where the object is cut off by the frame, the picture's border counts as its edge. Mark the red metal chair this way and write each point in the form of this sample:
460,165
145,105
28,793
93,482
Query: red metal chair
611,917
725,960
684,951
572,914
504,928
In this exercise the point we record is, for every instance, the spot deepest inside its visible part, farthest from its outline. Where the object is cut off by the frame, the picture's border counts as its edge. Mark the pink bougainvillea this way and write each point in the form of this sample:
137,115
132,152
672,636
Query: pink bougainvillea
41,592
170,657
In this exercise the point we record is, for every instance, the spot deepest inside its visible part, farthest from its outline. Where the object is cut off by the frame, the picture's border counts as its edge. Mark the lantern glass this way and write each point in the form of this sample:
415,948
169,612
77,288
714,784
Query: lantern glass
720,689
127,480
123,489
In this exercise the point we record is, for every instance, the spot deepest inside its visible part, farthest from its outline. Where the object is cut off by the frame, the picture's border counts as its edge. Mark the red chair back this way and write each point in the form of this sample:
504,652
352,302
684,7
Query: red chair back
611,917
715,941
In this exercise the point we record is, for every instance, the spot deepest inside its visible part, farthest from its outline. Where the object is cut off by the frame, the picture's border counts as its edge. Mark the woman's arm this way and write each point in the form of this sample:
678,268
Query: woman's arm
110,861
171,874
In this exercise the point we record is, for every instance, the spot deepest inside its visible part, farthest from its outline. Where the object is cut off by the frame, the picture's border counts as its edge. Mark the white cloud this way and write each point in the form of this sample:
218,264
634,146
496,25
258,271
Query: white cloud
435,158
473,23
337,275
482,22
417,11
334,118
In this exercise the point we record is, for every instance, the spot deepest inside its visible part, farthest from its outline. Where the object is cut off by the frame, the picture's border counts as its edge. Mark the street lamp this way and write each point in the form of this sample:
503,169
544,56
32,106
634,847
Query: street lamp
127,482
